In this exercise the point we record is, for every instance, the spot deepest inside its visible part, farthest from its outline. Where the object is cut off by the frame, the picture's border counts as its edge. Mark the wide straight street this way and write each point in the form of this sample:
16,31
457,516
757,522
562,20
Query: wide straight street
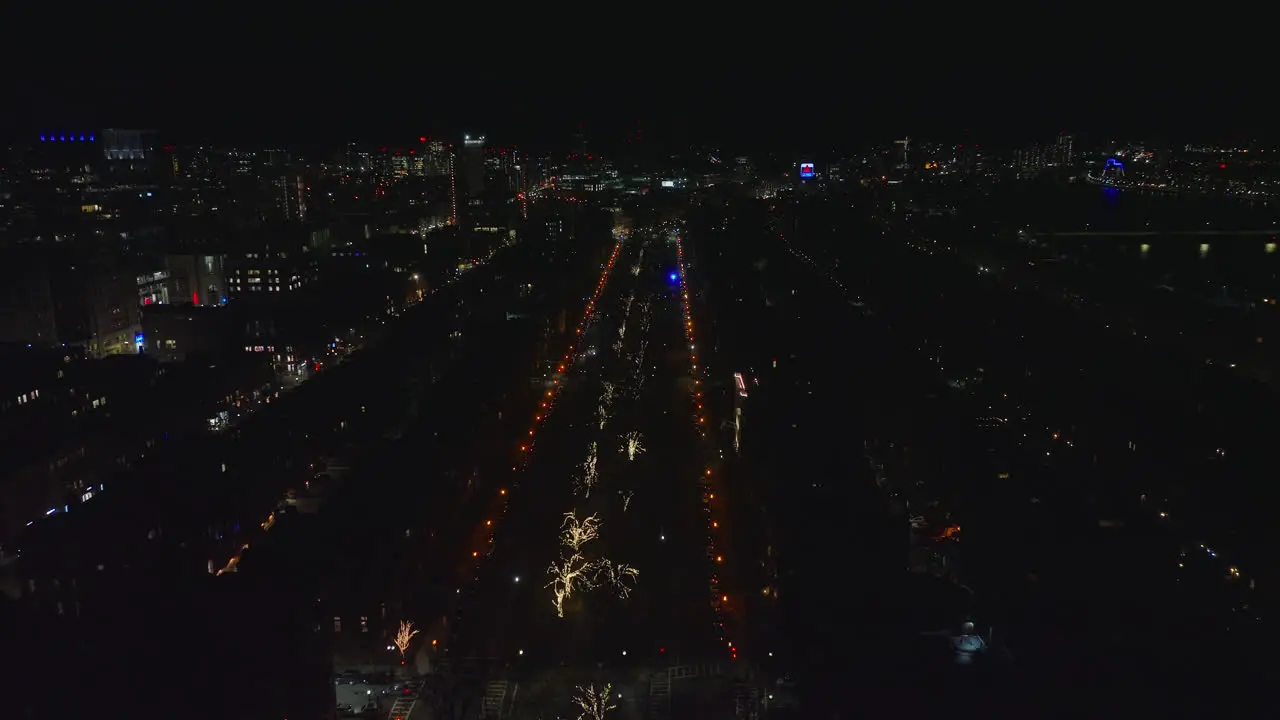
604,562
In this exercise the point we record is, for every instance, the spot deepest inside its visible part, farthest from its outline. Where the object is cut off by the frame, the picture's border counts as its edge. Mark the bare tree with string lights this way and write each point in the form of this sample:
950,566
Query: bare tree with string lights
607,392
575,533
619,576
404,636
570,574
631,444
593,702
590,476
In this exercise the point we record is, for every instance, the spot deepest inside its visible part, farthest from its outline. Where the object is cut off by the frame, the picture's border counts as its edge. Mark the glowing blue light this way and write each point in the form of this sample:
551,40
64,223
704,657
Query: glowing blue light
672,277
62,138
90,138
137,338
148,194
43,138
82,137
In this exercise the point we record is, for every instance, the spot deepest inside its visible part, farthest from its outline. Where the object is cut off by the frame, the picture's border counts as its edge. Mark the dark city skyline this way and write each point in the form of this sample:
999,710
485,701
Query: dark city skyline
637,368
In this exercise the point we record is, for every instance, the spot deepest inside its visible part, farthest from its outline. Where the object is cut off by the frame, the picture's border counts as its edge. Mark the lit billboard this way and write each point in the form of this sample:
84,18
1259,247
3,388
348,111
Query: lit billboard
806,170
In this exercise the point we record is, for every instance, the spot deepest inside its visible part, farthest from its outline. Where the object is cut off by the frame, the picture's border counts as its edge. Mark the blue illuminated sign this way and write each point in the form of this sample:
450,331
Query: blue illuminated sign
137,339
806,170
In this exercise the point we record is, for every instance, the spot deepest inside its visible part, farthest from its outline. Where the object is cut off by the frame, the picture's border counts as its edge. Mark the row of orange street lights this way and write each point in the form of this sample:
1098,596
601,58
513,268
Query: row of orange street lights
545,406
719,600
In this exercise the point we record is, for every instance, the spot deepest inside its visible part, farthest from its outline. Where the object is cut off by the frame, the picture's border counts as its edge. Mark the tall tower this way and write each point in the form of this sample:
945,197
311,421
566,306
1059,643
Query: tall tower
473,166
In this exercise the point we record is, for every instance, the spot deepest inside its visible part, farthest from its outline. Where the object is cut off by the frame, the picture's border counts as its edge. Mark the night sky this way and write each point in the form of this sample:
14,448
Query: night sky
321,80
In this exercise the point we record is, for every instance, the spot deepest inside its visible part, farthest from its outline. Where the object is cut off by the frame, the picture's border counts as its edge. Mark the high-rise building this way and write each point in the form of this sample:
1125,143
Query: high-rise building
473,164
290,197
437,160
1065,150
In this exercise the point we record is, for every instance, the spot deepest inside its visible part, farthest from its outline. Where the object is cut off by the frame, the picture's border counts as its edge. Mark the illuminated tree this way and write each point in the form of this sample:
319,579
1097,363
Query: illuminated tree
569,574
622,329
404,636
575,533
589,476
626,498
631,444
638,357
620,577
607,391
617,346
593,702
